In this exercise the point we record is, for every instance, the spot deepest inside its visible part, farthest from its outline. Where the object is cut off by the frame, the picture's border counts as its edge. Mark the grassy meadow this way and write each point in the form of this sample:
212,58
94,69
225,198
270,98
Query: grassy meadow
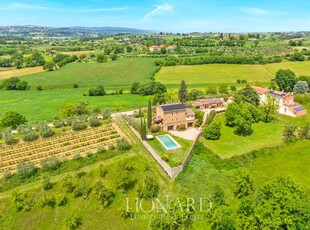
122,72
224,73
290,160
45,105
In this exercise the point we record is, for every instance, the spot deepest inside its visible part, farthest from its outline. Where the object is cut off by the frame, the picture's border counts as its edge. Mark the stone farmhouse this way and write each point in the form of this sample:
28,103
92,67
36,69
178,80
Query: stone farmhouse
171,116
212,103
286,101
157,48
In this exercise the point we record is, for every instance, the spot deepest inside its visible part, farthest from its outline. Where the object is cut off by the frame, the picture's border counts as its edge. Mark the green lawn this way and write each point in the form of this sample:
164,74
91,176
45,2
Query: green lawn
224,73
122,72
230,144
175,157
45,105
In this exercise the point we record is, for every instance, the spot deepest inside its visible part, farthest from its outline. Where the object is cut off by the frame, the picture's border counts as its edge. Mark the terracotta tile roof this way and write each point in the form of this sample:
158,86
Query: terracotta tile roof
209,101
260,90
189,112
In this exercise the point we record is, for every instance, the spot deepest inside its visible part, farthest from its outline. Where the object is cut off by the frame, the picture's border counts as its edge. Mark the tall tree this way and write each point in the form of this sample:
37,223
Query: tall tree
301,87
183,92
12,119
286,79
269,109
149,114
248,95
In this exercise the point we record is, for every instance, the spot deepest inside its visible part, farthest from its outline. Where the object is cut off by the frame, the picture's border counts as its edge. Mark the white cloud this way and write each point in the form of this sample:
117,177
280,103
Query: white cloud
158,10
258,11
37,7
102,10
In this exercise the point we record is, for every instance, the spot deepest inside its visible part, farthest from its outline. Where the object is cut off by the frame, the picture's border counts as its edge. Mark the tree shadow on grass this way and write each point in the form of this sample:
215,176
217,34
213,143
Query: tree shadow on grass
245,134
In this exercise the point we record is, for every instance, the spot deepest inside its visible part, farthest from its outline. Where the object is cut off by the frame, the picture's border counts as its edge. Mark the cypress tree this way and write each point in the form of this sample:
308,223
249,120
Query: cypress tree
149,115
183,92
143,129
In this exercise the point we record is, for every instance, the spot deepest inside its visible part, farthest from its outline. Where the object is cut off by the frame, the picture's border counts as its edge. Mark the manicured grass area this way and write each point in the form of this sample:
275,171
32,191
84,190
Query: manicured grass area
230,144
175,157
122,72
223,73
10,72
45,105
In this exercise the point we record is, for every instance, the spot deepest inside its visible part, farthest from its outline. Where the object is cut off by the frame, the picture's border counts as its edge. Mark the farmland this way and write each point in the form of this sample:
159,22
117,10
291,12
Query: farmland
45,105
64,147
122,73
6,73
225,73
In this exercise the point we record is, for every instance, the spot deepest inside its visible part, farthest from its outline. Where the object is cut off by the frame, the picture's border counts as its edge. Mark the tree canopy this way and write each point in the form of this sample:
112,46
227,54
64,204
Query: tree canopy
286,79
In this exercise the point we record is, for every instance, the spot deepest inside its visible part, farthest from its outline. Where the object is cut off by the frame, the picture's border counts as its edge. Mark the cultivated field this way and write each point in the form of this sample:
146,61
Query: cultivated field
63,147
78,53
45,105
5,74
224,73
118,73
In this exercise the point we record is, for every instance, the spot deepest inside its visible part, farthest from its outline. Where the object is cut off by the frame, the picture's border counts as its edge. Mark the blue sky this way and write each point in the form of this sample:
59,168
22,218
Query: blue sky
162,15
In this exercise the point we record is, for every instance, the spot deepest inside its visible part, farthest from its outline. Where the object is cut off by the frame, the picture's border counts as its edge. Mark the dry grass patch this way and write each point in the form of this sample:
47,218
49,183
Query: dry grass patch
5,74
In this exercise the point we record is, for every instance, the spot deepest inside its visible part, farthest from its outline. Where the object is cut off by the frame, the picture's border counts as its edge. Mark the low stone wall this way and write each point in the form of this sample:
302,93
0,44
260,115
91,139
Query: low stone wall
172,172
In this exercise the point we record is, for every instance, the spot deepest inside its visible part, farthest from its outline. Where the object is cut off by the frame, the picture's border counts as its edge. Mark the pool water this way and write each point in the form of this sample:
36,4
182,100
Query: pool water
168,142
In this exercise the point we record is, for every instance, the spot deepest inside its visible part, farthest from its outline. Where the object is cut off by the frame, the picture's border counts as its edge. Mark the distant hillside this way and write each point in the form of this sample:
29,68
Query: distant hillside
41,31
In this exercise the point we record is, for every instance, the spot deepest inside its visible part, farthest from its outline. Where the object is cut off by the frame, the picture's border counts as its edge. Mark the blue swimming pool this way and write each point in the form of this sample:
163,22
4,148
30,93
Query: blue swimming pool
168,142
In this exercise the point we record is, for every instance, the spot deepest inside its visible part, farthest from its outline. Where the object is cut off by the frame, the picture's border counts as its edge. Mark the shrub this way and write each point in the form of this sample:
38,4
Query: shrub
212,132
155,129
123,144
46,131
94,121
233,88
76,126
98,91
69,183
103,171
73,222
46,200
50,164
111,147
104,194
181,127
8,137
199,116
39,88
210,117
75,86
58,123
47,184
165,158
25,170
149,188
100,149
62,200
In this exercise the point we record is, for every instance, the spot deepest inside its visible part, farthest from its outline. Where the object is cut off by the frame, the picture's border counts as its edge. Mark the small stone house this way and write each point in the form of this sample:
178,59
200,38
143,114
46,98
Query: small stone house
212,103
171,116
